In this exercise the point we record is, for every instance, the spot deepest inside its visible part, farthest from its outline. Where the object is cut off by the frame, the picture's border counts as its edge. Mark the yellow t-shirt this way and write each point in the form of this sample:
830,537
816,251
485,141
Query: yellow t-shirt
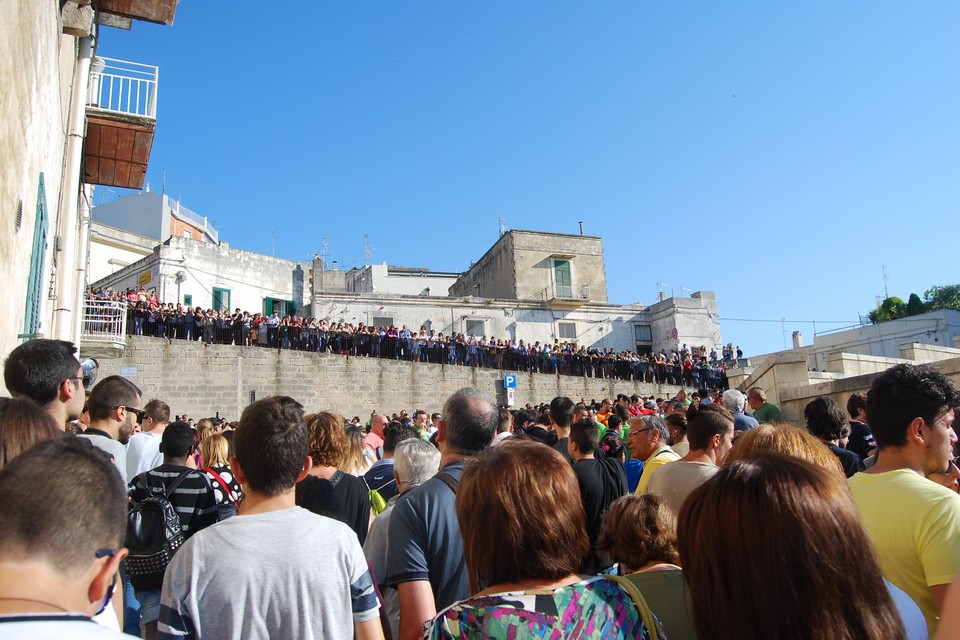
660,457
914,524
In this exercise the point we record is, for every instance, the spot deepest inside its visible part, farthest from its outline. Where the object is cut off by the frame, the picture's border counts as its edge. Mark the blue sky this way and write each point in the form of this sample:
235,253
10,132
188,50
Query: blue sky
782,156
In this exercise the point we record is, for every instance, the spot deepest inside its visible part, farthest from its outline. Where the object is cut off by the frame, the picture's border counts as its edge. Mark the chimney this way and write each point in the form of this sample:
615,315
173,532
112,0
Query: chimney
333,266
797,340
663,296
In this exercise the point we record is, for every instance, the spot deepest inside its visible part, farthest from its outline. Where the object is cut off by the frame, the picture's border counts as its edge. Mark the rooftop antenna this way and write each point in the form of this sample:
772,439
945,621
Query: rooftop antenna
502,229
367,251
163,185
581,227
883,268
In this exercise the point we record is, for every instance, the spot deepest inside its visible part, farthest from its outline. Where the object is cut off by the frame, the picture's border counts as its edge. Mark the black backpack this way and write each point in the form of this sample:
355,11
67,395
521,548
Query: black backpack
153,536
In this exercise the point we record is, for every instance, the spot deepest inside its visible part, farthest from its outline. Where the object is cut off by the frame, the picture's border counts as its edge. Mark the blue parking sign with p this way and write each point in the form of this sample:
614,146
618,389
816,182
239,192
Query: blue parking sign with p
509,382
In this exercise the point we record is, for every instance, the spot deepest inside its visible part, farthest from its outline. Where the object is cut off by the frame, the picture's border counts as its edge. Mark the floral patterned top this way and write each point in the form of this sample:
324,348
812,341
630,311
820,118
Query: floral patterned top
594,609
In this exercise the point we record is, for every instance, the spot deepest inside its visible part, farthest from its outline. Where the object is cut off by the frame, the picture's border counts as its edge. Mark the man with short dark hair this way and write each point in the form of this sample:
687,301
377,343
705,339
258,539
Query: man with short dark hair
50,587
379,477
561,415
425,558
602,480
913,523
861,440
710,434
47,372
114,415
192,498
143,450
275,570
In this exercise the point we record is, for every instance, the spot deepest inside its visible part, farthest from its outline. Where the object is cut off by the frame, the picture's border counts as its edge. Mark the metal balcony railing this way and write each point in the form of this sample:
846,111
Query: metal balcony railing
104,323
119,86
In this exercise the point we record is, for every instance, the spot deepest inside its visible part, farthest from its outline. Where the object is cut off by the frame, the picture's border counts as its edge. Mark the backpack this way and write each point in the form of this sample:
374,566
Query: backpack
153,536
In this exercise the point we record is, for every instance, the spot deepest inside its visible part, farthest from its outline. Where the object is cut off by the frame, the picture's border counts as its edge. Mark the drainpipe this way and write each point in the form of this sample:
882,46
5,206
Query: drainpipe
80,290
64,324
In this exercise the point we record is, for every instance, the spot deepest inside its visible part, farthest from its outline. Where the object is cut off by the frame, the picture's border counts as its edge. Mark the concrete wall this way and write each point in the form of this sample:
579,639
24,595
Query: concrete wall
140,213
493,275
36,67
202,380
519,266
696,320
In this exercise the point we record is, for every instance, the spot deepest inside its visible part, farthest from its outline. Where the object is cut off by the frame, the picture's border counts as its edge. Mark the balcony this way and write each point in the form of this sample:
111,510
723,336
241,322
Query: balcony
103,331
121,121
565,296
159,11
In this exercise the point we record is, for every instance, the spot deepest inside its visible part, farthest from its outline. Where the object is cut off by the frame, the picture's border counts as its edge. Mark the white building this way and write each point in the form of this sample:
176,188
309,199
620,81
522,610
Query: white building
559,294
935,328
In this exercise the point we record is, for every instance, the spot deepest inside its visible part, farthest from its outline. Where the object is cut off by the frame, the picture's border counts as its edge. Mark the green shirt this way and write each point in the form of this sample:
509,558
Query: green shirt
767,413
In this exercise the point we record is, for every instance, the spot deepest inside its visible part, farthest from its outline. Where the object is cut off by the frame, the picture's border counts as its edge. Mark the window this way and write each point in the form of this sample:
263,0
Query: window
187,300
643,336
382,321
562,281
642,333
31,319
567,331
475,327
279,306
221,299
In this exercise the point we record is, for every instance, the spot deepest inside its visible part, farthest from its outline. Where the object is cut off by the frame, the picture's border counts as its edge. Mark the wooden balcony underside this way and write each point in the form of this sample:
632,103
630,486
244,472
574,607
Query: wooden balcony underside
117,150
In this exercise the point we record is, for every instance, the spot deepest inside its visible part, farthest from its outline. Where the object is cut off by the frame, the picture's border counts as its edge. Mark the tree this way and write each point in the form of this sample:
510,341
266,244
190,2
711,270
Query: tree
943,297
890,309
915,305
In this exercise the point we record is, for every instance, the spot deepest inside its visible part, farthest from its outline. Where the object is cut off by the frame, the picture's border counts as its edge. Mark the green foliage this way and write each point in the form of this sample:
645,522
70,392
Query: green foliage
915,305
940,297
890,309
945,297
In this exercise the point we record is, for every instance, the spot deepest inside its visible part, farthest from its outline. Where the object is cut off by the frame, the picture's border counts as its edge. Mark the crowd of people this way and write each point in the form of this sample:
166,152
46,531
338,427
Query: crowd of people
695,366
695,516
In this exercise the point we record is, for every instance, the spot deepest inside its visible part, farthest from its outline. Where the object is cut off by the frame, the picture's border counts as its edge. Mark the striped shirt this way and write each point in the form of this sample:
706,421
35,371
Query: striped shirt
193,499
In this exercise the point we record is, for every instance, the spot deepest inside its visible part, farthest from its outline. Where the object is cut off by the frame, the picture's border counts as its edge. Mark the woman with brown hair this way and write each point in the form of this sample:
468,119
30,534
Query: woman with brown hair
786,439
772,547
23,424
524,542
327,490
640,533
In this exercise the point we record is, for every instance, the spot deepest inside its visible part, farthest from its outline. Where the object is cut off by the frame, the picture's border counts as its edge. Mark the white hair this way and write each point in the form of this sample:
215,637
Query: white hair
415,462
733,400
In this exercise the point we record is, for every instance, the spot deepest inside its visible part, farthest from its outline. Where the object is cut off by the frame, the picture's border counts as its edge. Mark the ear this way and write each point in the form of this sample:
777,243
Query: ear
915,431
441,431
237,471
68,390
307,465
716,440
105,572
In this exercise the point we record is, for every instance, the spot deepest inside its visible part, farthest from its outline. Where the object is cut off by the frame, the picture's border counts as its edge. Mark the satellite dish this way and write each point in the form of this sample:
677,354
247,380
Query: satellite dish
90,369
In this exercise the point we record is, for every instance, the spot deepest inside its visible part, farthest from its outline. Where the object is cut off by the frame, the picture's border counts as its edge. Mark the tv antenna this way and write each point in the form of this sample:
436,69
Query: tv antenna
367,251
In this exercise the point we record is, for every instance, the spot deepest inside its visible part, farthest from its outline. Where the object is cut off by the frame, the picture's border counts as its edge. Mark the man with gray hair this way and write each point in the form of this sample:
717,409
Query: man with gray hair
415,462
734,401
647,439
425,562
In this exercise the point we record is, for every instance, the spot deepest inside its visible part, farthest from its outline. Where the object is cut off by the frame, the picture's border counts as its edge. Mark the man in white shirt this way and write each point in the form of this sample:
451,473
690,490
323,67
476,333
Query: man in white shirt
143,450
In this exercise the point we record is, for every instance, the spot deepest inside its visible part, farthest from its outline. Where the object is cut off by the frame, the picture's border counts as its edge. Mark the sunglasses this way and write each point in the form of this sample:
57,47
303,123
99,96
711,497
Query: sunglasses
138,412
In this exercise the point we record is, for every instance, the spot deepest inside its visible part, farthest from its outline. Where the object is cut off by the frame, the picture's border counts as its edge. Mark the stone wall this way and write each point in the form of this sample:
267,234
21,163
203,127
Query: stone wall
203,380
